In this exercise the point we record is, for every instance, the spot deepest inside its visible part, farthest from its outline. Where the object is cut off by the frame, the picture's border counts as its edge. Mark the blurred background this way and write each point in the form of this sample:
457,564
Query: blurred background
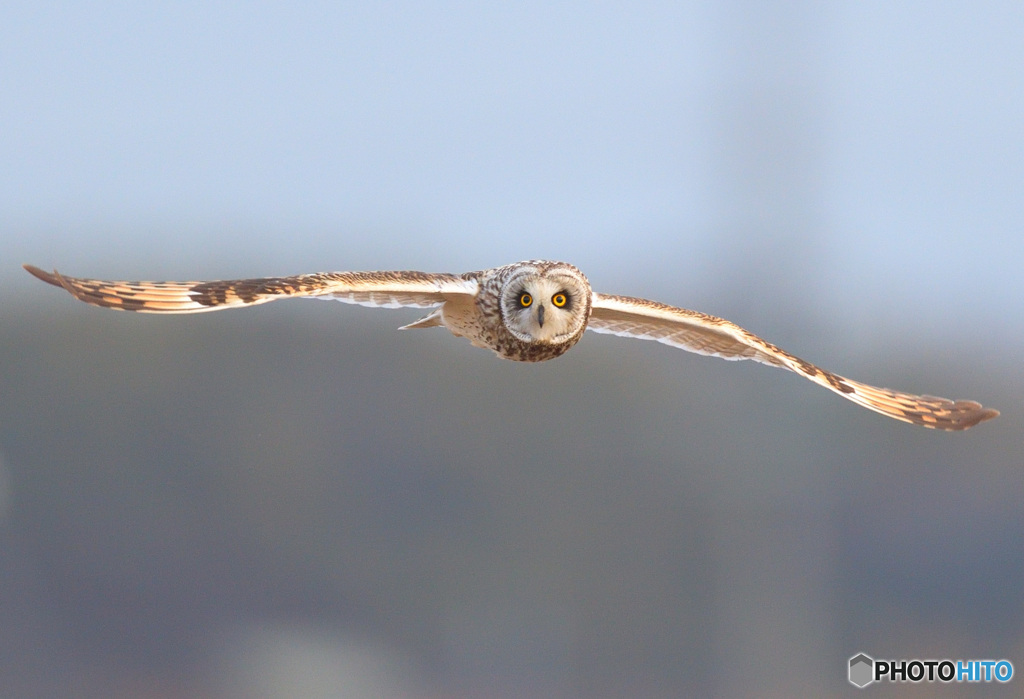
296,500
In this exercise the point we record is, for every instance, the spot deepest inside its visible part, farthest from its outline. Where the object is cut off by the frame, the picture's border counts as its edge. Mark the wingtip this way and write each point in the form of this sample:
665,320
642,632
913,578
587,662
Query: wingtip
55,278
47,277
988,414
971,414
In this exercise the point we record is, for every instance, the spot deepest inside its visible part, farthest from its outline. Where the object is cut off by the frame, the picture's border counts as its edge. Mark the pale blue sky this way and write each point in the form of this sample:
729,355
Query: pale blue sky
654,144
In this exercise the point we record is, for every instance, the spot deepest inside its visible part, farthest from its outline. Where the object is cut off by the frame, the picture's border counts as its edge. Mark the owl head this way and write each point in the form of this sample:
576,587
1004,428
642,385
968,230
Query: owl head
546,302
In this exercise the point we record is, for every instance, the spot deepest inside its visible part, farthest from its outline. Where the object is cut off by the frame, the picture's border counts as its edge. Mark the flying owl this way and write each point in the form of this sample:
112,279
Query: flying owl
528,311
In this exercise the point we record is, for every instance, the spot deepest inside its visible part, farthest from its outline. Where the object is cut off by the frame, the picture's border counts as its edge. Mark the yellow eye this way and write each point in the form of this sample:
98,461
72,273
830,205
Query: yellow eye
559,300
525,300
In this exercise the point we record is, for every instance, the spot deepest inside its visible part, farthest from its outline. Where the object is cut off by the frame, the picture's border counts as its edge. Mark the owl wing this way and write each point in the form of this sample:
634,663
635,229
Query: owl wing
380,289
705,334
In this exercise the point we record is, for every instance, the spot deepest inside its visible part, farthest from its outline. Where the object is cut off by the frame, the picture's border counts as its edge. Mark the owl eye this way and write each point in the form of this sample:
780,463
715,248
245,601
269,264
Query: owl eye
525,300
559,300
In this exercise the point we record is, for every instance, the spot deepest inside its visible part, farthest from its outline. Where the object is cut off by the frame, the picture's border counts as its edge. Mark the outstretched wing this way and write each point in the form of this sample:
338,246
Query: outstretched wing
705,334
380,289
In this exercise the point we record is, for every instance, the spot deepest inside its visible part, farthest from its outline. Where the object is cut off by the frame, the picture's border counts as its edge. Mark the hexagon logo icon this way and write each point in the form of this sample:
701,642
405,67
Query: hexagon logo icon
861,670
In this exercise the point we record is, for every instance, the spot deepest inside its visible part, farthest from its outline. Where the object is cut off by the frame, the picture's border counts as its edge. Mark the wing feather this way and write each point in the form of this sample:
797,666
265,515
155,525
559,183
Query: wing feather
708,335
380,289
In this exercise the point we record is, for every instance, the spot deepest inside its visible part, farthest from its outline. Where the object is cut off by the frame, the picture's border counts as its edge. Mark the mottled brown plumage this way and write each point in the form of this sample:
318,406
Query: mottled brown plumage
705,334
528,311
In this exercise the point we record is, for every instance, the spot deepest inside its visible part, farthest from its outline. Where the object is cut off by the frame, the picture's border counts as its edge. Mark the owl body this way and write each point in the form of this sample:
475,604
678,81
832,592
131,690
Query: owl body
496,318
528,311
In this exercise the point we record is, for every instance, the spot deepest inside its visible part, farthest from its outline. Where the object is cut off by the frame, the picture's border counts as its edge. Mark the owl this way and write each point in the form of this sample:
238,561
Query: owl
528,311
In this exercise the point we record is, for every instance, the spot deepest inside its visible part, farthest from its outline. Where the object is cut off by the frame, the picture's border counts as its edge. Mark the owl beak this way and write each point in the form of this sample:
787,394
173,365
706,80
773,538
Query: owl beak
540,314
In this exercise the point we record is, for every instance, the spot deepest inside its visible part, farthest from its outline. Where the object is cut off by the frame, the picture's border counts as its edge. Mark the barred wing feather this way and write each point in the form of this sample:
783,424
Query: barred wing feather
704,334
379,289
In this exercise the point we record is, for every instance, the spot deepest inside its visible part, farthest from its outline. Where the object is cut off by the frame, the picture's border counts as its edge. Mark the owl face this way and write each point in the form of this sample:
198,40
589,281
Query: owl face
547,305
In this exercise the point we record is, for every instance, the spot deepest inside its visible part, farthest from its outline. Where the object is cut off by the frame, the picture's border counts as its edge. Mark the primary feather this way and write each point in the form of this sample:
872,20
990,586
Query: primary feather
380,289
705,334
